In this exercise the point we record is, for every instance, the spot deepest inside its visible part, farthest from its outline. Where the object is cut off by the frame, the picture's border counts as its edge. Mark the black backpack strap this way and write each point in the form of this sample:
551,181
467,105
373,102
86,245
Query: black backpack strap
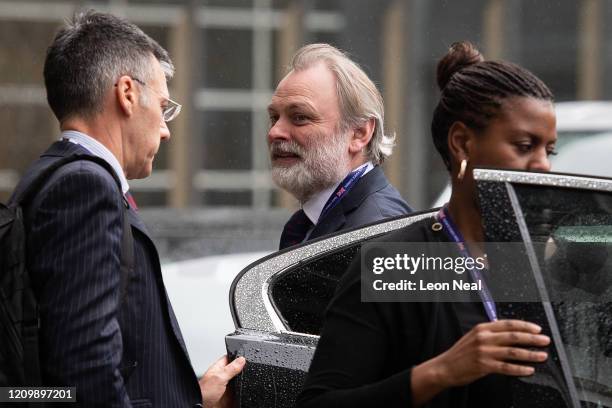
127,246
32,319
29,330
42,178
127,253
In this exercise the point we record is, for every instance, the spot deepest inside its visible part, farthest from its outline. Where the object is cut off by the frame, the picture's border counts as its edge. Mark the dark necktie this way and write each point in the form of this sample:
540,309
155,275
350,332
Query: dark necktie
295,229
131,201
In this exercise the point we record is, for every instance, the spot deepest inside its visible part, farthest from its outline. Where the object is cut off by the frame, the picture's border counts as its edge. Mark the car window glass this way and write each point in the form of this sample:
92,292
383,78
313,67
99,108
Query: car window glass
576,264
302,294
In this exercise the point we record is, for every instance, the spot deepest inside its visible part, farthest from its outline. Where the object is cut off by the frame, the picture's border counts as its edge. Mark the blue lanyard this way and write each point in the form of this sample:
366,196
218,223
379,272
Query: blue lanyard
455,235
344,187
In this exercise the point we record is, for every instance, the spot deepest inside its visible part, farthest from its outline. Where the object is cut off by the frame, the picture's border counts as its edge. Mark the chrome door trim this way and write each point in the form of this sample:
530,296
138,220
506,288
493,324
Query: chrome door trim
544,179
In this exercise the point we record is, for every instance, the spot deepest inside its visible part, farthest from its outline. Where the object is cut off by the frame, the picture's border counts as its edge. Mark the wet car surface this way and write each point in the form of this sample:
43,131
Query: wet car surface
277,303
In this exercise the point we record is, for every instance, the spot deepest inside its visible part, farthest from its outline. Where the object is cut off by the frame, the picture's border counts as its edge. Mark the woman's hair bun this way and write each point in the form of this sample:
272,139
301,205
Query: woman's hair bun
460,55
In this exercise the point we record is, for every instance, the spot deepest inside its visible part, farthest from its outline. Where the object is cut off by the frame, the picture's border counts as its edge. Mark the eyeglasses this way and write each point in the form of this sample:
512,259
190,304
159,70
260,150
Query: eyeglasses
171,110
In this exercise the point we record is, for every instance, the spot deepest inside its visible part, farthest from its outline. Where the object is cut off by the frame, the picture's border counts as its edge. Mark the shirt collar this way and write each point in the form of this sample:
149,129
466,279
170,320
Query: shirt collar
315,204
97,149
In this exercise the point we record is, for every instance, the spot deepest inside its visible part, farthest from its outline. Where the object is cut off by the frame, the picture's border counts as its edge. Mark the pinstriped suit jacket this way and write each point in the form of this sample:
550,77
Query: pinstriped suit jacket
116,355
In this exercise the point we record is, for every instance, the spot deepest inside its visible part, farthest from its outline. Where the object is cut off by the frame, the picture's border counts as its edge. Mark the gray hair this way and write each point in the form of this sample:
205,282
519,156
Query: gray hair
87,57
358,97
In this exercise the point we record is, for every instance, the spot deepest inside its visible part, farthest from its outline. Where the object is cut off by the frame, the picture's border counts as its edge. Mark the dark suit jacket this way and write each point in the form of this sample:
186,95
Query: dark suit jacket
117,355
367,349
372,199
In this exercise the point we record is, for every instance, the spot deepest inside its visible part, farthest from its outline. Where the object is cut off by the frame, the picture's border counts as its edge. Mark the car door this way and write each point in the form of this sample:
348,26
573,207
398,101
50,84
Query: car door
565,223
277,303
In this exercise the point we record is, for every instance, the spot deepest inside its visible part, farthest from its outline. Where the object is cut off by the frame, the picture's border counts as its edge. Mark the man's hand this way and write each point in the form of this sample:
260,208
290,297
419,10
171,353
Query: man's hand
213,385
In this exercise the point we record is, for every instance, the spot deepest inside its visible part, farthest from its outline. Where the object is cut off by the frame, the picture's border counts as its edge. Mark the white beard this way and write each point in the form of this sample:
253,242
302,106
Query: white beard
321,166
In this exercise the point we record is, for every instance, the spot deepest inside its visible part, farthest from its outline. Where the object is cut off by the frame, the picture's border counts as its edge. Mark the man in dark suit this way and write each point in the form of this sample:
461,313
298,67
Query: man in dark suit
121,346
327,142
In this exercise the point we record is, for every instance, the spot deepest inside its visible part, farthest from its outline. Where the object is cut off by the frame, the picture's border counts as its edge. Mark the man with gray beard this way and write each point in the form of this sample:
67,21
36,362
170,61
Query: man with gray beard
326,144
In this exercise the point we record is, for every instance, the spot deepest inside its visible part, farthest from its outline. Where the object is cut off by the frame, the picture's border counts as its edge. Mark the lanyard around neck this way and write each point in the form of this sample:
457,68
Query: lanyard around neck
455,235
344,187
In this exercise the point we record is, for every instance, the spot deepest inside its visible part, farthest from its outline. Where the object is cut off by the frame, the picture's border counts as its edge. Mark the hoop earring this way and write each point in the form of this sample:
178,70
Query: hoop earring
462,169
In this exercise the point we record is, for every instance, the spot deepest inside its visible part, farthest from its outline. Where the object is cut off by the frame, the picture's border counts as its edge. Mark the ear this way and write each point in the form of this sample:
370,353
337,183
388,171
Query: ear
460,142
126,95
361,136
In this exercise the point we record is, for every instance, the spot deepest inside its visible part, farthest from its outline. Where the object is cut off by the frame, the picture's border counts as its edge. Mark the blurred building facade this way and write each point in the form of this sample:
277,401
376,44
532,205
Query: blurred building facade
230,54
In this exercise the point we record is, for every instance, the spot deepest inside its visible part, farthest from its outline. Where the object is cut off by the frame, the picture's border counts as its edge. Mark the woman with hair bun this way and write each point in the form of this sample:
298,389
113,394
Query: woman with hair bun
490,113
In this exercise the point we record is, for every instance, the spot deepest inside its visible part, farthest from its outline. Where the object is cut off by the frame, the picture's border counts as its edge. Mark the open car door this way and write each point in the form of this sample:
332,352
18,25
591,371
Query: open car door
277,305
564,282
278,302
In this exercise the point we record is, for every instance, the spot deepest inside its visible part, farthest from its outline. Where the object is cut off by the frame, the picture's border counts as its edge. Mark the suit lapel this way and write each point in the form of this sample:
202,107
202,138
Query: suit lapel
369,184
333,221
137,223
175,326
